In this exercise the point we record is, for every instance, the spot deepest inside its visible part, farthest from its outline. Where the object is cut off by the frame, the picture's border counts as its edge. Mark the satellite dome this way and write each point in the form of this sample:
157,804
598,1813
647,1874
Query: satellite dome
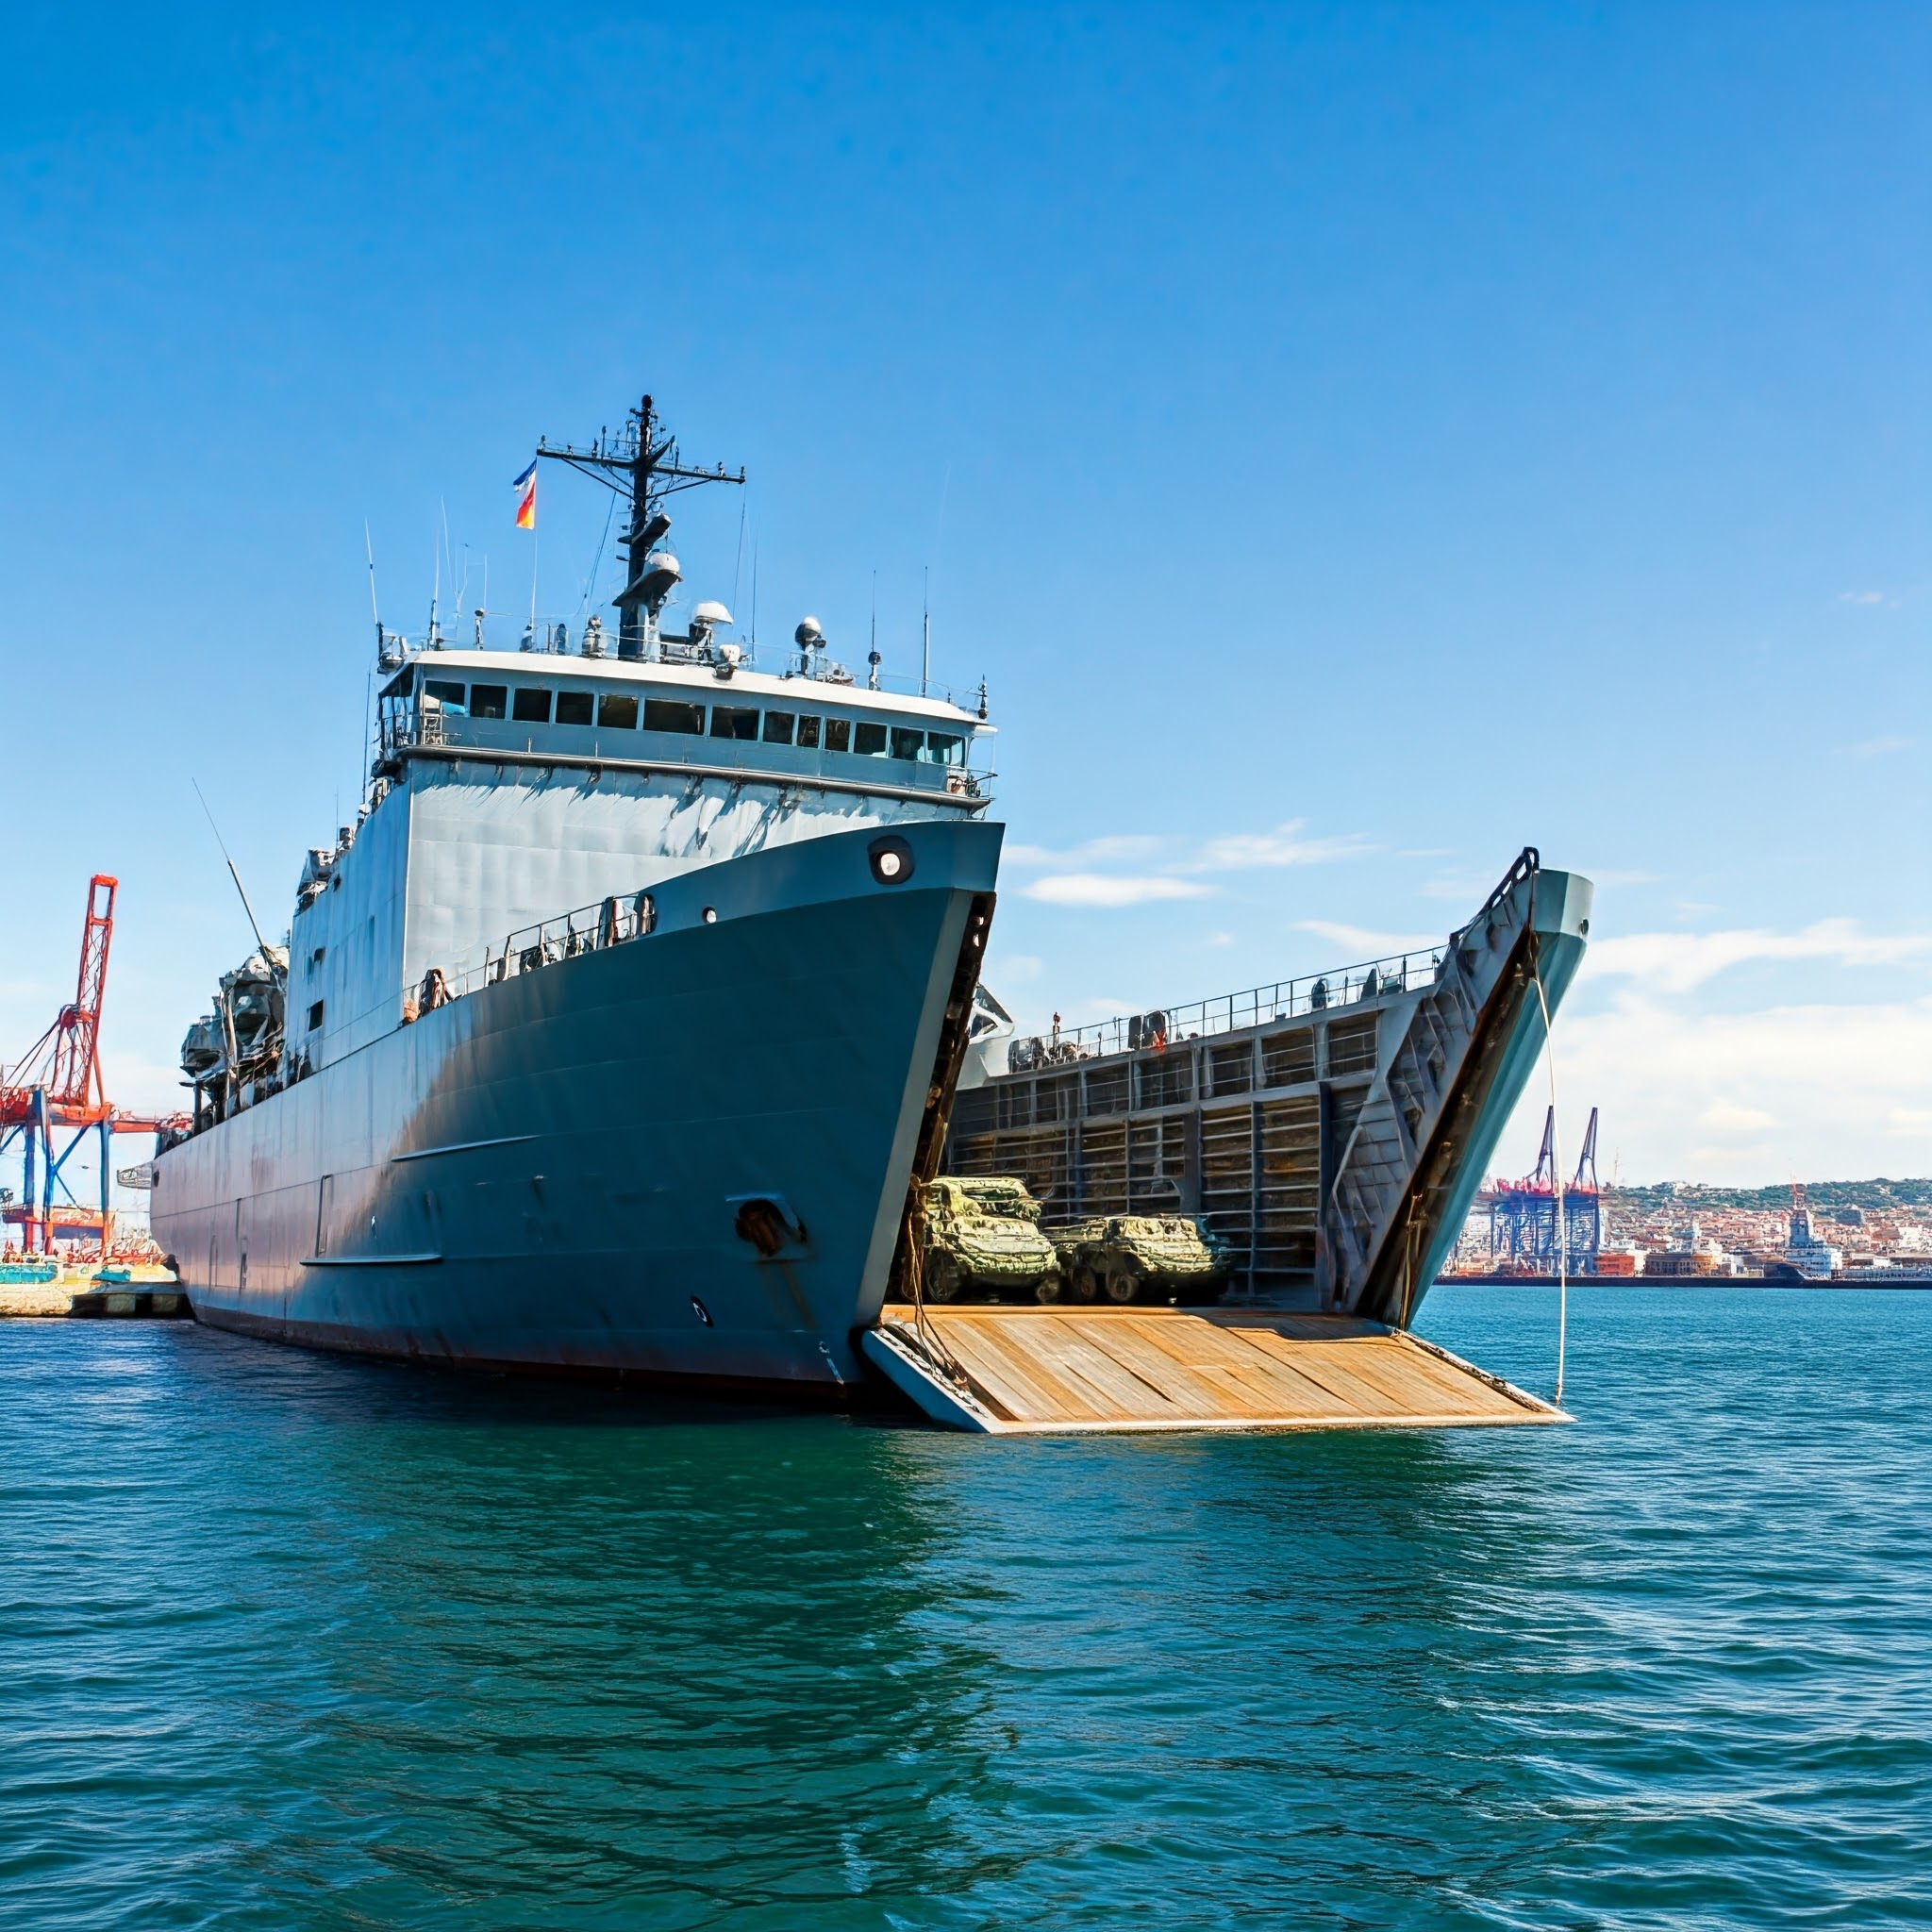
710,611
807,634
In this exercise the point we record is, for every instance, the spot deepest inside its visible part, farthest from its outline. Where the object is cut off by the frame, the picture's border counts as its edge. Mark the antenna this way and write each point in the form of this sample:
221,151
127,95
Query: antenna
872,658
641,463
374,609
925,628
259,941
754,593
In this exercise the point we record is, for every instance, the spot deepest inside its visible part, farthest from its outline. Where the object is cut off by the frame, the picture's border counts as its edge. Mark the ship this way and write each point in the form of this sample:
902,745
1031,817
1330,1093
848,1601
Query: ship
621,1036
608,1037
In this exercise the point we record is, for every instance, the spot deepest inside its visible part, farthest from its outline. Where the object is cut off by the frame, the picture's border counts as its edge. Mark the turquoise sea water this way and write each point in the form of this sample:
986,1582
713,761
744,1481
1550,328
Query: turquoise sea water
286,1642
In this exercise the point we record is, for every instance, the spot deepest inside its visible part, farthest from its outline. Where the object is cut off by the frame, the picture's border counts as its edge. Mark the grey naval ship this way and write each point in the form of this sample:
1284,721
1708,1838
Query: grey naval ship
621,1035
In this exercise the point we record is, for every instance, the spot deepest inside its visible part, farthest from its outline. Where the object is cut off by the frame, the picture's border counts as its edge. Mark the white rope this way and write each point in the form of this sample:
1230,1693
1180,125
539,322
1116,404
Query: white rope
1557,1176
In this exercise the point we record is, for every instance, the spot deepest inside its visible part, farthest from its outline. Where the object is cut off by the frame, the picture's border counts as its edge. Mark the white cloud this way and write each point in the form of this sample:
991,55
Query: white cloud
1459,887
1676,962
1877,748
1284,845
1744,1098
1865,597
1014,969
1219,939
1109,889
1094,851
1166,867
1728,1117
1360,943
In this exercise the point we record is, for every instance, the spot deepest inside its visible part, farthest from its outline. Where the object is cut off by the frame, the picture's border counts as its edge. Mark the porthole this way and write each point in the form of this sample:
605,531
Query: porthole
891,859
711,915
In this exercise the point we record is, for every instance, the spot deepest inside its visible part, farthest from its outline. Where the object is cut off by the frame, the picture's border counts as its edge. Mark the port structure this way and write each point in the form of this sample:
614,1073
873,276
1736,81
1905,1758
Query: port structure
57,1087
1523,1214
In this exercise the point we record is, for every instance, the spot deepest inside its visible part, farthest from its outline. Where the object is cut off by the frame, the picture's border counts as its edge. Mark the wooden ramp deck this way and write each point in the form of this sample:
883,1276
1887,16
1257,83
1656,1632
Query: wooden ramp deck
1034,1371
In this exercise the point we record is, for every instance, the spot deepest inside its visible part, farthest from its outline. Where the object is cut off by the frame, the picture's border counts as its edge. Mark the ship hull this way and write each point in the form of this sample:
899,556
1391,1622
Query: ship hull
553,1174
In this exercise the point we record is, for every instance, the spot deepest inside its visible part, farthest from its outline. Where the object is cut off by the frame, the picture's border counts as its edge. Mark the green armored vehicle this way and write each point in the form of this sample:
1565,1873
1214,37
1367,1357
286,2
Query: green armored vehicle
1129,1257
1000,1193
971,1250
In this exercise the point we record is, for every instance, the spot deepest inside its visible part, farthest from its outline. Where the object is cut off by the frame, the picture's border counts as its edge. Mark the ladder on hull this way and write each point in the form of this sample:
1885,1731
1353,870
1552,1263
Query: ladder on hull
1005,1371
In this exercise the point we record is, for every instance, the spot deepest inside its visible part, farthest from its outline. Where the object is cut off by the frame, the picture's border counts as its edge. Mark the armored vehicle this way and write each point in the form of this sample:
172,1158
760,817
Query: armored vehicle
1124,1257
971,1250
999,1194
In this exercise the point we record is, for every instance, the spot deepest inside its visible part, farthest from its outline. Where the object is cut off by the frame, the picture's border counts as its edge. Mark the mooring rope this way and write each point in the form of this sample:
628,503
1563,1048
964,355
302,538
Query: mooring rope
1555,1172
942,1358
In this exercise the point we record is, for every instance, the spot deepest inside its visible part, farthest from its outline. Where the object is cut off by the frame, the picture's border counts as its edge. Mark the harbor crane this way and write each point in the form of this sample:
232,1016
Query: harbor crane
1523,1214
57,1086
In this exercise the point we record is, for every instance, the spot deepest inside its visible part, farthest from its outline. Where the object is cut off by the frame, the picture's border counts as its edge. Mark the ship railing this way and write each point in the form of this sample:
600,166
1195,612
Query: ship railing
570,935
1234,1012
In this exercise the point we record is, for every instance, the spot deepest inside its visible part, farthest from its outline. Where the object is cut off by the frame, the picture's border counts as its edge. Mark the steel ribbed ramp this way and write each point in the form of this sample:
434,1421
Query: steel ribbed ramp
1040,1371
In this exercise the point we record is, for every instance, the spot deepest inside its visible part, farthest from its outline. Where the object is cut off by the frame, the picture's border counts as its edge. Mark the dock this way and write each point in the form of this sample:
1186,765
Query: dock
1004,1371
60,1300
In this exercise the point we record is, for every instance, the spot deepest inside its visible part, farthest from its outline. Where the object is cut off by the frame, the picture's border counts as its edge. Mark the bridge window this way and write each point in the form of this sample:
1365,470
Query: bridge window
944,748
531,705
778,727
837,733
619,713
869,740
669,714
573,707
808,733
734,721
908,744
489,700
449,695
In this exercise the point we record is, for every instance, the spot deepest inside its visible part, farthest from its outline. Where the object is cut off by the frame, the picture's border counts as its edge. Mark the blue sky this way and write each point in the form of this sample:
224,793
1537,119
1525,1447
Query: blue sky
1353,442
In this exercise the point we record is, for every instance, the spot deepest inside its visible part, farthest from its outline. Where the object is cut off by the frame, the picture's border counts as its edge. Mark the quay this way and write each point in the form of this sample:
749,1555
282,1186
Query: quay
59,1300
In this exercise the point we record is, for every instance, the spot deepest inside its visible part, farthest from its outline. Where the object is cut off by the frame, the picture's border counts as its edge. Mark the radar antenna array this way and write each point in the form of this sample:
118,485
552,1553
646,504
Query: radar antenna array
640,463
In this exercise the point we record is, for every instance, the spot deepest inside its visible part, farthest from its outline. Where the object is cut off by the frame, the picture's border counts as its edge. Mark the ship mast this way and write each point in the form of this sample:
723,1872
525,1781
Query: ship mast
643,463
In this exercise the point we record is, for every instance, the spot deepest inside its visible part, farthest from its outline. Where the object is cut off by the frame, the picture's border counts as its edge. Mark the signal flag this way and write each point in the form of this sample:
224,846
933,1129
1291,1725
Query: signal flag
526,488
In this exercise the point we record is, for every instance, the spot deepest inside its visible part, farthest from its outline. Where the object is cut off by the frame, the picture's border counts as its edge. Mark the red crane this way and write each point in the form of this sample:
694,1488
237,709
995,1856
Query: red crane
57,1083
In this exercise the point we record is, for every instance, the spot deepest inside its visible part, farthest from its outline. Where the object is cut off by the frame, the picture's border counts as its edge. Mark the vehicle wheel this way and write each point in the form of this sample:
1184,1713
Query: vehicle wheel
943,1283
1121,1284
1084,1286
1051,1289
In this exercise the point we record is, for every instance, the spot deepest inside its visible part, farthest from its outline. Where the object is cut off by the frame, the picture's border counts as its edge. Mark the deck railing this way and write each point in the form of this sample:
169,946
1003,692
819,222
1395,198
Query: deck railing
1284,999
588,929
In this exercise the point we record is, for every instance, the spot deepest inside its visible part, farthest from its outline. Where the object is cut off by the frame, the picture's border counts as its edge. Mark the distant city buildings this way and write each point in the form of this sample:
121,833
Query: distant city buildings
1655,1232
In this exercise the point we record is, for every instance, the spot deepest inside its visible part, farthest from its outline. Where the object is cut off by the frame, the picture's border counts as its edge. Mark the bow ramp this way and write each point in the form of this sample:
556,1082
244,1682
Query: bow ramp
1020,1371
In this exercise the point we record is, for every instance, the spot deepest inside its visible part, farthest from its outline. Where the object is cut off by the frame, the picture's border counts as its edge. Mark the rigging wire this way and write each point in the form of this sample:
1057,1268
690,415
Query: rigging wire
596,561
1555,1177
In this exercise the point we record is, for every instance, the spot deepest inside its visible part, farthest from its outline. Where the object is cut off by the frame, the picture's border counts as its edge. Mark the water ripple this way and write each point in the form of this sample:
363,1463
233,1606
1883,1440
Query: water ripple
292,1641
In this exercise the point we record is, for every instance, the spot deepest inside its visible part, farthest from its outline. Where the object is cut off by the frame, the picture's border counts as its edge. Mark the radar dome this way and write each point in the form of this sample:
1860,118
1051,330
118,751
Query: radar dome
807,634
710,611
